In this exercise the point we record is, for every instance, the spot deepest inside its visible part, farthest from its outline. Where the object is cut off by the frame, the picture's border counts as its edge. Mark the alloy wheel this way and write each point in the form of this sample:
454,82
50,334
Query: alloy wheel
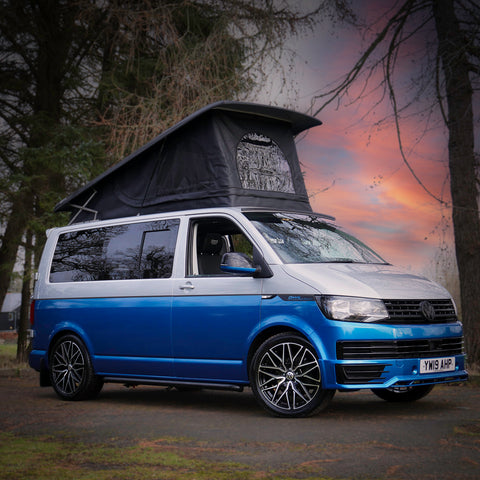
289,376
68,367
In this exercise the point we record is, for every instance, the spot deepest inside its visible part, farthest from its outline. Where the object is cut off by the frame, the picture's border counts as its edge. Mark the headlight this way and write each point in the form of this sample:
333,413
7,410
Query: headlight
352,309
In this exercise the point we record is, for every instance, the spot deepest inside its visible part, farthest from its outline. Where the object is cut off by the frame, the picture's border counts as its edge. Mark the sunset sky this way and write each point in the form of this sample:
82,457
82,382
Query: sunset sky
355,172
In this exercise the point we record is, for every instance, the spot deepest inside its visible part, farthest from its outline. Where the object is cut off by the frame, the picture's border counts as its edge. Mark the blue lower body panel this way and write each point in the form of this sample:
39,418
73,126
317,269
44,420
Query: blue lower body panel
383,356
388,373
208,339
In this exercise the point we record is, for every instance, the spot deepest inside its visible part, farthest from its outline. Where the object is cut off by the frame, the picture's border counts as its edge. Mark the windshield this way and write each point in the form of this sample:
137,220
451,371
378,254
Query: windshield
299,238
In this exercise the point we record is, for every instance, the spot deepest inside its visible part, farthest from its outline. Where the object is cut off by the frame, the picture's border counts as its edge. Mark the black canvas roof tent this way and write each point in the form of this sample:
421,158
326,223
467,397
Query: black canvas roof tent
226,154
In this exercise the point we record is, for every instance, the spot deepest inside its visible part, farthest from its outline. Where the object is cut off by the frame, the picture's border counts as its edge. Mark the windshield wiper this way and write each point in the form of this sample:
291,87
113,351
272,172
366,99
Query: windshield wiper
341,260
349,260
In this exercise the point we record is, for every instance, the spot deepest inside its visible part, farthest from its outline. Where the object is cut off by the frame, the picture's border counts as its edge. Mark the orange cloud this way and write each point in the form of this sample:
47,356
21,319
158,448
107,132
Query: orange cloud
359,177
353,167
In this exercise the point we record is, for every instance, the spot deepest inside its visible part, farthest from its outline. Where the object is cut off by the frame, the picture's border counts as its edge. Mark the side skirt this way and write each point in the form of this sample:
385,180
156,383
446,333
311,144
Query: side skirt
132,381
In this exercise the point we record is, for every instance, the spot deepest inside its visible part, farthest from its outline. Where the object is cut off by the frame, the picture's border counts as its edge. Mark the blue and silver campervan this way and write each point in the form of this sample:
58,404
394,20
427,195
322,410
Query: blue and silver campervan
237,295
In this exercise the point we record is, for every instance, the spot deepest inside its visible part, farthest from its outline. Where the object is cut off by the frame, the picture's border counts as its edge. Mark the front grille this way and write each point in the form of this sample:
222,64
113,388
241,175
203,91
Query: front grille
353,374
394,349
410,311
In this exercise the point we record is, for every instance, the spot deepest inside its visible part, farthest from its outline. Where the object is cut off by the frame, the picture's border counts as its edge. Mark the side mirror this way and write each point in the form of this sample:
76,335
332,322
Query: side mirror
239,263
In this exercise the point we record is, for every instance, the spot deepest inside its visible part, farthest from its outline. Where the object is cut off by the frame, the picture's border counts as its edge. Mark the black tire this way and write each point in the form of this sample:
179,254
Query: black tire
403,394
285,377
71,371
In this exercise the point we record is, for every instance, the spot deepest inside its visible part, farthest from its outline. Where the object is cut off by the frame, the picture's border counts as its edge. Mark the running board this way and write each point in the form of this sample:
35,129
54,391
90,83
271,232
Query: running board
133,381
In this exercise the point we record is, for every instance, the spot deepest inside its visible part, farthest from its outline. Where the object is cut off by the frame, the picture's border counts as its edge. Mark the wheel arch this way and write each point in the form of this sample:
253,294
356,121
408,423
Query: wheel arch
62,332
264,335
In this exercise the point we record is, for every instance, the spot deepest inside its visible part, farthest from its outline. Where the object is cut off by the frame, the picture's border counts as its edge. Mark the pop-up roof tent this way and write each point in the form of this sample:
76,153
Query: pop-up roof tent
226,154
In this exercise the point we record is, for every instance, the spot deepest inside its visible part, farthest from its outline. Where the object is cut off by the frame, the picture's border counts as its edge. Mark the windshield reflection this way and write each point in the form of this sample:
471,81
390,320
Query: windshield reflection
299,238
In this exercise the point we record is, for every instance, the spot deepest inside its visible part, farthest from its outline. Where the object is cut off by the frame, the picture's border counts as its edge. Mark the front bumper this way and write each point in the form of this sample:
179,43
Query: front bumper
386,373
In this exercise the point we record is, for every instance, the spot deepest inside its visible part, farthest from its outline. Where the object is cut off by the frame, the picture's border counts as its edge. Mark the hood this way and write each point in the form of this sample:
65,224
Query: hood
366,280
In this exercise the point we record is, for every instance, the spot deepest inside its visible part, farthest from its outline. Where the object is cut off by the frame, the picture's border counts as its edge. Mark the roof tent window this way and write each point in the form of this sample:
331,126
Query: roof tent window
262,165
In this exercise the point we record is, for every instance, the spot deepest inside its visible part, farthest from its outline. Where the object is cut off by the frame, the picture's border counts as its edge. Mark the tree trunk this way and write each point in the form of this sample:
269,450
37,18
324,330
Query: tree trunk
465,215
54,37
11,239
22,342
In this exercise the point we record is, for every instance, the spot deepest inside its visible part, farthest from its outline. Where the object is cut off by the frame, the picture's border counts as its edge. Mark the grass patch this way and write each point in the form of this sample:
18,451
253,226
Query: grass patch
8,360
45,458
8,355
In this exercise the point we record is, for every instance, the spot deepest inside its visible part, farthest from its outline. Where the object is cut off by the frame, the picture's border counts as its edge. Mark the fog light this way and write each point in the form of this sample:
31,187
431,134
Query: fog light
415,370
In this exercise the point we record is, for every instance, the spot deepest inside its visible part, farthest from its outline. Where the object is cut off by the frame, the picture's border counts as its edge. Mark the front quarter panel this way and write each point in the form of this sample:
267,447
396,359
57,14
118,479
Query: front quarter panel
298,312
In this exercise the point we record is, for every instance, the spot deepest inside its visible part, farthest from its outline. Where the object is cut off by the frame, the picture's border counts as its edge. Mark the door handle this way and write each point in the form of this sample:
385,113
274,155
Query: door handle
187,286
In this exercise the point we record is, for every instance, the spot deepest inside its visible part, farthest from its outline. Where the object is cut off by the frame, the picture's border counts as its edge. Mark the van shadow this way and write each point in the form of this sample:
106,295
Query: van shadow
356,404
171,398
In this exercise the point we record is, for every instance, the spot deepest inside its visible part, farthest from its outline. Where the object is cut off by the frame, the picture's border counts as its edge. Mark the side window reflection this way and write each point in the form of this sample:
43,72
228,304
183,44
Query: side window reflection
134,251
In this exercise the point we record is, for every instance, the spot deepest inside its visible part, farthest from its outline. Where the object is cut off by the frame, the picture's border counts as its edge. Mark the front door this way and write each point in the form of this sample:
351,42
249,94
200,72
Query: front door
214,314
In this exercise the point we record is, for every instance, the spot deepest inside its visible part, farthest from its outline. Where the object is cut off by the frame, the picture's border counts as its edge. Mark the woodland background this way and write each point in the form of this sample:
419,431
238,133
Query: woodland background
85,82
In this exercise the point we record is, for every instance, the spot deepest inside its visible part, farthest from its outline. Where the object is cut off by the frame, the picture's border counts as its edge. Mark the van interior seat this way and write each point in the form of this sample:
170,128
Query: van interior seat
210,254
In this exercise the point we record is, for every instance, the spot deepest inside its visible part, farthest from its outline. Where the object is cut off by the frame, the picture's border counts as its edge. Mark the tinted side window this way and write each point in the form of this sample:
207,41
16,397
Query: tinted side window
138,250
158,248
210,238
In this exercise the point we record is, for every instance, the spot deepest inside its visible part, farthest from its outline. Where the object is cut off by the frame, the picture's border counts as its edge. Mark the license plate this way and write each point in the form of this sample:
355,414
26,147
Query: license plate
433,365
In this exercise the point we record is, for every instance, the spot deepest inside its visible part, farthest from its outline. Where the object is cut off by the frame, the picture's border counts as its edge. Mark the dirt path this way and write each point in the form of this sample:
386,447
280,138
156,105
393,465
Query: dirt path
358,437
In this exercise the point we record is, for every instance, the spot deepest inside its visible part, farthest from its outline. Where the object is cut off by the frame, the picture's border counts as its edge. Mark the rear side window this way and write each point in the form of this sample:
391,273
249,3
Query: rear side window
121,252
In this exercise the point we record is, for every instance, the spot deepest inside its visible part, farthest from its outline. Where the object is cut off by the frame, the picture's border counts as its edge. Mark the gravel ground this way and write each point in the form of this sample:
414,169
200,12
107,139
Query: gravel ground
358,437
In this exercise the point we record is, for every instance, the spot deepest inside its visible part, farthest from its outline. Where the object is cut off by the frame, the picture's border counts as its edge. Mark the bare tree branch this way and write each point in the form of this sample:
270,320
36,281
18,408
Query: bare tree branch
391,57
